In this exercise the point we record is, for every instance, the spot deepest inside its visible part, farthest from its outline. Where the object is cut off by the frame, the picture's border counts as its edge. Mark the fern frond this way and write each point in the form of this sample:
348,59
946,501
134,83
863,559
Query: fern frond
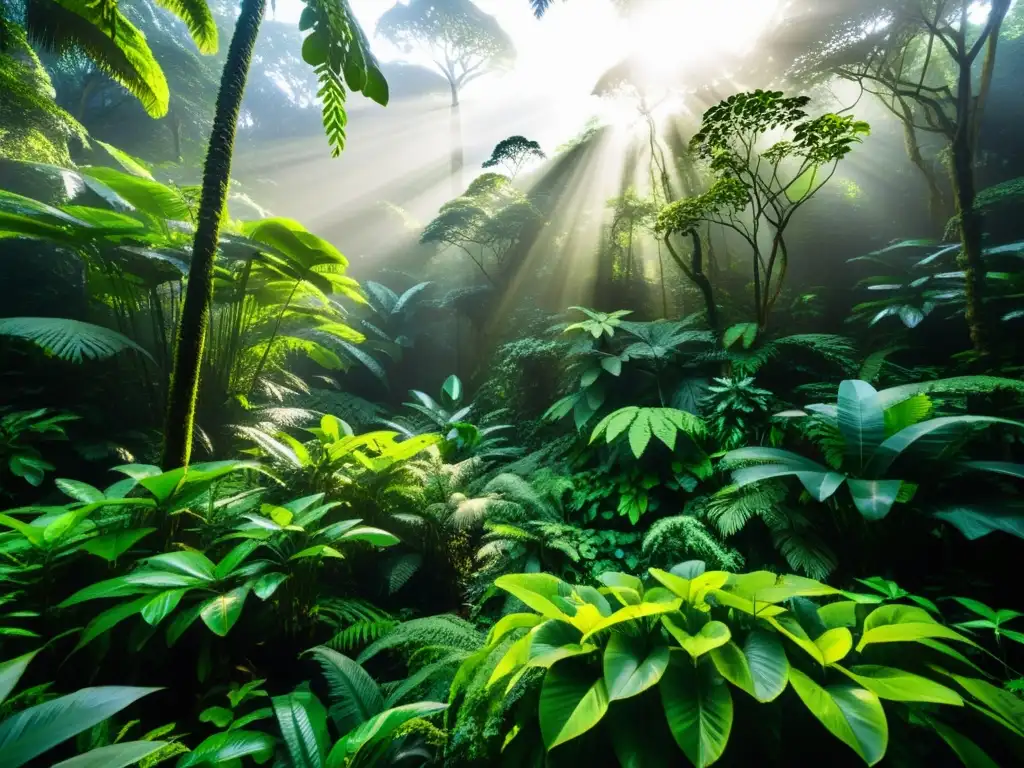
407,637
684,537
332,95
197,16
805,552
108,38
838,350
359,634
731,508
67,339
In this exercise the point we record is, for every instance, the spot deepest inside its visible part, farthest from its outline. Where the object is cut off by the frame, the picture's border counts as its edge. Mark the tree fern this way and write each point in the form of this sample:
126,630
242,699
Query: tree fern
108,38
407,637
67,339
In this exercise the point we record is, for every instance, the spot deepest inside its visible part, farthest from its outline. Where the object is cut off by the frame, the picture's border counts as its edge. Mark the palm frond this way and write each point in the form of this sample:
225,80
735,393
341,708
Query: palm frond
197,16
108,38
71,340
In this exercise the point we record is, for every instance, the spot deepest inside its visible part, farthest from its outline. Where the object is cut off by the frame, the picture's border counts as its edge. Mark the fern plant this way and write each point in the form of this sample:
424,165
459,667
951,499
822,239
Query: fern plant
737,411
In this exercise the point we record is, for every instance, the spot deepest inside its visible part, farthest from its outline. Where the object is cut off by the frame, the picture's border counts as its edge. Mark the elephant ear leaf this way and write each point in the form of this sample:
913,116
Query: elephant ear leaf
571,703
698,707
852,714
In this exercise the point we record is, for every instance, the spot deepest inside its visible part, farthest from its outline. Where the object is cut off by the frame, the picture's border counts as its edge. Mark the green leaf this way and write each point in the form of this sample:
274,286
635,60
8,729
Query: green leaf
377,730
1008,708
355,696
640,433
188,563
897,685
631,613
571,703
452,387
537,590
834,645
221,748
303,722
853,715
632,665
159,607
510,622
618,422
78,490
553,641
219,716
150,197
113,756
760,668
11,672
33,731
712,635
861,420
698,707
902,624
970,754
71,340
111,546
221,612
374,536
109,619
874,498
267,584
978,607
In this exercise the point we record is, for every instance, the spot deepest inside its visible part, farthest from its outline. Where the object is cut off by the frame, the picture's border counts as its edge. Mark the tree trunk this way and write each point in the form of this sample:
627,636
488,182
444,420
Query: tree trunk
195,312
971,225
936,198
456,138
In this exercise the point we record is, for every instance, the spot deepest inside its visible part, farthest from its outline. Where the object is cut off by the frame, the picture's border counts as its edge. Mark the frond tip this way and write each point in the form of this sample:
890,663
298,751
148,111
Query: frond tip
67,339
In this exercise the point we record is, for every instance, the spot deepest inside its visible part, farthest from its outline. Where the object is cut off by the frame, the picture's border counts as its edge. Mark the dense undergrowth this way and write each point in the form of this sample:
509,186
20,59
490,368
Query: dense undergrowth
713,516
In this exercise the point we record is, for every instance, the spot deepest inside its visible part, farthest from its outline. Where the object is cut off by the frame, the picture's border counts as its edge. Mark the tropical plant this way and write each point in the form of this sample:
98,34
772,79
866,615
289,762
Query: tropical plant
770,185
865,433
37,729
737,411
20,431
336,47
680,641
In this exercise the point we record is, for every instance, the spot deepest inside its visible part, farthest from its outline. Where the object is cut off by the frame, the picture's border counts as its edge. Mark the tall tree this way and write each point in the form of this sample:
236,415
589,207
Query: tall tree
340,54
931,62
463,42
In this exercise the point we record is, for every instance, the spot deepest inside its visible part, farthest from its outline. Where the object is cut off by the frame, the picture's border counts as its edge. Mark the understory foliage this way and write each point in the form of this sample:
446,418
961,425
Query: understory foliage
710,514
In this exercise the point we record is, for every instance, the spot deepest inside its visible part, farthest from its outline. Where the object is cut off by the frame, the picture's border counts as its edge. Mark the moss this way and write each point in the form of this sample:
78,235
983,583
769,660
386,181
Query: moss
35,129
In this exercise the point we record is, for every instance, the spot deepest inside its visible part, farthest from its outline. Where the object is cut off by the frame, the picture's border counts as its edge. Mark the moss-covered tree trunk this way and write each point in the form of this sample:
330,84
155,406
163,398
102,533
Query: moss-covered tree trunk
195,313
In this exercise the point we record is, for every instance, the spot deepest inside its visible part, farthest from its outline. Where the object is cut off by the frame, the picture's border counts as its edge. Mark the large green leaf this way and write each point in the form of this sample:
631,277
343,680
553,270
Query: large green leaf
223,748
571,703
631,613
820,481
632,665
114,756
378,729
974,519
537,590
932,435
112,43
11,672
861,421
71,340
1007,707
904,623
111,546
639,733
970,754
355,697
221,612
712,635
853,715
110,618
32,731
189,563
698,707
150,197
554,640
761,667
897,685
303,722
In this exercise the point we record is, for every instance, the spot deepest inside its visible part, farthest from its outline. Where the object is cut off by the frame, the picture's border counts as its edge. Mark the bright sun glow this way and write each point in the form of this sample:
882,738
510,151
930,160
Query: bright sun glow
676,33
